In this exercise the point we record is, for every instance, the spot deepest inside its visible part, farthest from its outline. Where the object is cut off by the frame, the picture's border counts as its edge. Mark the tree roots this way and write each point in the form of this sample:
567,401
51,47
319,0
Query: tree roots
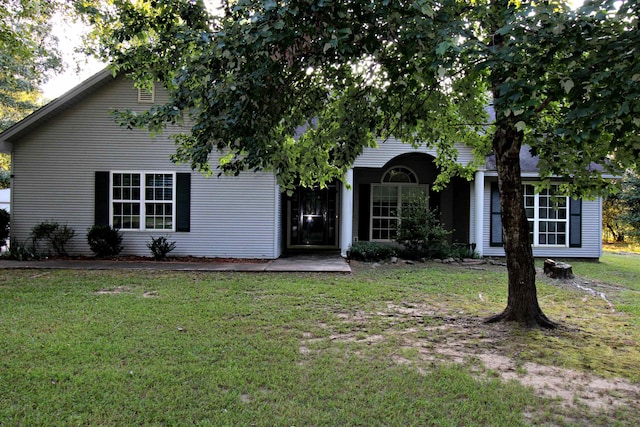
537,320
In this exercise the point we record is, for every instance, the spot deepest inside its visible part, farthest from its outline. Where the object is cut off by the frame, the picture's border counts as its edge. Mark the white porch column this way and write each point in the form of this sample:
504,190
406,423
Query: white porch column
478,187
346,214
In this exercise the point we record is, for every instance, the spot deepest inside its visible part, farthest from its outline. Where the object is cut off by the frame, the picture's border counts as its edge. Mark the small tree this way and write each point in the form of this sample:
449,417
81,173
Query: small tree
419,229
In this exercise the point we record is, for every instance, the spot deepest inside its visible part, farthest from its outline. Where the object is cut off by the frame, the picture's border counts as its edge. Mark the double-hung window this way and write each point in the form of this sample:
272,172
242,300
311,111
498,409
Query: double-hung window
143,200
397,184
548,215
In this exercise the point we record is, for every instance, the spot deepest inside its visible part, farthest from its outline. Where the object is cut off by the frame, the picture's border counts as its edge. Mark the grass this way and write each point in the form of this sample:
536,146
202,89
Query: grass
284,349
619,275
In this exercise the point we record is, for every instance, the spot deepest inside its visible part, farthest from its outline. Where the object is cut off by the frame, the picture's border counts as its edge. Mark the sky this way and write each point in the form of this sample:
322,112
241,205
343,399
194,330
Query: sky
78,67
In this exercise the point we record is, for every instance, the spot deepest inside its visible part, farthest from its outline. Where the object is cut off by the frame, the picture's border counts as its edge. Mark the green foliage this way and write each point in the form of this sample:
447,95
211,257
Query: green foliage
160,247
276,68
29,54
104,241
415,70
621,211
419,230
5,224
20,252
371,251
53,235
462,250
630,200
5,178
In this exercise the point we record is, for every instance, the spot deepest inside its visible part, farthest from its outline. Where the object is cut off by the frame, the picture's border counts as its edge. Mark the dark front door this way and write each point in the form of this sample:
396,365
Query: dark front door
312,217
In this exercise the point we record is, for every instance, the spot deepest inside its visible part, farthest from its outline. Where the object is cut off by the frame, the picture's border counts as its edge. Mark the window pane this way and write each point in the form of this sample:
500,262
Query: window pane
552,214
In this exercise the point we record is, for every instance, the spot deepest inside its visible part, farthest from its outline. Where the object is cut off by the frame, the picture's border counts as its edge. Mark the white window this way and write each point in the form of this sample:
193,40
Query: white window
548,215
143,200
386,201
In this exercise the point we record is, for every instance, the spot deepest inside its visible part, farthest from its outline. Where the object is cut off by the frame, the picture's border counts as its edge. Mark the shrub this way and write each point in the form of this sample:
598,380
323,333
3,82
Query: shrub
371,251
54,235
419,230
4,227
160,247
19,252
104,241
462,250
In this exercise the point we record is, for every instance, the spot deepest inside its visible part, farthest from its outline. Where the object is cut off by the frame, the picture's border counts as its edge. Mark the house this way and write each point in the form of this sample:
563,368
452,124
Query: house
74,165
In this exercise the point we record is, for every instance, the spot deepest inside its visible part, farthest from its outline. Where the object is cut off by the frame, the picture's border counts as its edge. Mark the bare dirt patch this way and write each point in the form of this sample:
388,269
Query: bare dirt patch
114,291
489,351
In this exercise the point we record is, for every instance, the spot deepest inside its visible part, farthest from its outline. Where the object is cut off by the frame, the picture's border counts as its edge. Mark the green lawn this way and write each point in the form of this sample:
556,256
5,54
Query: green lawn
234,349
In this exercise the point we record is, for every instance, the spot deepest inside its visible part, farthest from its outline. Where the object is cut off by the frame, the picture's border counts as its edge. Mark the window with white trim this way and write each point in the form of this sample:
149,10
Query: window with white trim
397,183
548,215
143,200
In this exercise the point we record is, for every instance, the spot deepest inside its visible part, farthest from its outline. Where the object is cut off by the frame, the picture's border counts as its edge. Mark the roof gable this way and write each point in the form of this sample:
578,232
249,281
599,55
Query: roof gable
54,108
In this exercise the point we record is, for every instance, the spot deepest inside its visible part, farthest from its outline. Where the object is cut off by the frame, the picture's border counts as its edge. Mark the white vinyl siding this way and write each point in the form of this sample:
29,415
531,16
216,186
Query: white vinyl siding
54,180
392,147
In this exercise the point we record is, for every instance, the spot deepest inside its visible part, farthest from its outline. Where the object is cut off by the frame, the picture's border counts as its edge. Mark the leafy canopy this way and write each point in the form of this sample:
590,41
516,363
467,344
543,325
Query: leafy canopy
300,87
29,53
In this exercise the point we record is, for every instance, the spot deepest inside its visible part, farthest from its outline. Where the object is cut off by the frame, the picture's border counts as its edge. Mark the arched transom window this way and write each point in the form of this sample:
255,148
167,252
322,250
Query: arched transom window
397,183
400,175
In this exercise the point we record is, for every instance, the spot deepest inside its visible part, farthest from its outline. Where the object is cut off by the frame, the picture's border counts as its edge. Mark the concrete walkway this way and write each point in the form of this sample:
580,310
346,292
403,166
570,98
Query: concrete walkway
320,263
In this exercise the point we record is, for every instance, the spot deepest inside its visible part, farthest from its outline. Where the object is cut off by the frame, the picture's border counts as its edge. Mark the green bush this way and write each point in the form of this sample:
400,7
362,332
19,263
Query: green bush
462,250
19,252
371,251
104,241
53,235
160,247
419,230
4,227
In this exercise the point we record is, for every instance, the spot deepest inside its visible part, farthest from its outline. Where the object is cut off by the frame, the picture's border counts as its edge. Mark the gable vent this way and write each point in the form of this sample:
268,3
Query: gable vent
147,97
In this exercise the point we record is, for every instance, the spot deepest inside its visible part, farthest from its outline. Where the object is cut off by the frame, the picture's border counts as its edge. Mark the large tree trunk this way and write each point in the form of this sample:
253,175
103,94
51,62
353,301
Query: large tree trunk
522,303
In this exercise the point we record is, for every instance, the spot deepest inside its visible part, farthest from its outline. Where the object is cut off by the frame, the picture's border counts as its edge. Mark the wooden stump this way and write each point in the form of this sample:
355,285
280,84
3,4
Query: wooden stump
558,270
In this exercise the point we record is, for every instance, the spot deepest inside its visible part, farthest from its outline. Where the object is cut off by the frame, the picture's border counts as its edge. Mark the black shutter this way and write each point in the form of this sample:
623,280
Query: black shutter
183,202
101,205
495,220
364,206
575,223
